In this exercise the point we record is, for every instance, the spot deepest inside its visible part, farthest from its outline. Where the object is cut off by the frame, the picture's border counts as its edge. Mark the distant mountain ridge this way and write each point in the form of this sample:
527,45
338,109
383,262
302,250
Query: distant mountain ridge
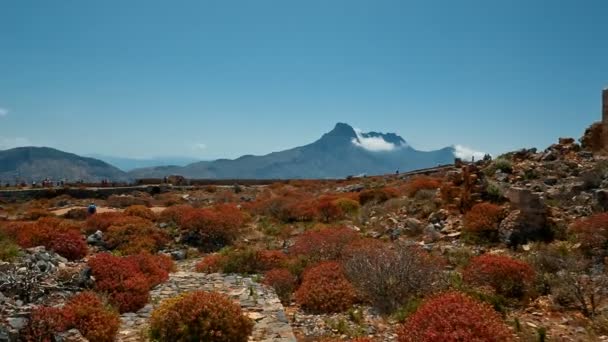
128,164
341,152
37,163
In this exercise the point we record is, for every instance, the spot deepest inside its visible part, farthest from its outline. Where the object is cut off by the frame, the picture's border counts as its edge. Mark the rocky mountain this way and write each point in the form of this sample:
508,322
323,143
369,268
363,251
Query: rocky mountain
341,152
37,163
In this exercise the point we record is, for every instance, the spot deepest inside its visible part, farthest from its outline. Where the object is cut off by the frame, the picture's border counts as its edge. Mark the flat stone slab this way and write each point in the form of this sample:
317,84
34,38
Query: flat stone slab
258,302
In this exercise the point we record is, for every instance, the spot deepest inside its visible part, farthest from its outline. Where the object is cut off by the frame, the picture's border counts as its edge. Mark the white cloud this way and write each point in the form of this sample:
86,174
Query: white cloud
374,144
466,153
7,143
3,112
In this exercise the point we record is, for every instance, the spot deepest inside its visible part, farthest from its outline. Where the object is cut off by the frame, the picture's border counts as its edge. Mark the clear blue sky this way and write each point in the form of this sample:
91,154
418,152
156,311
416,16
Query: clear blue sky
225,78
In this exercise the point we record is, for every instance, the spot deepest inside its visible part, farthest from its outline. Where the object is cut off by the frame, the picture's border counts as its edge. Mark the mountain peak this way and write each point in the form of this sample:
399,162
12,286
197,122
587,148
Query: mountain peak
342,130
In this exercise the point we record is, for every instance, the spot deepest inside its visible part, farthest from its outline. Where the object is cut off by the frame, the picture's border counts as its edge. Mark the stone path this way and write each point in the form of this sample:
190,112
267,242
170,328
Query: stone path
259,302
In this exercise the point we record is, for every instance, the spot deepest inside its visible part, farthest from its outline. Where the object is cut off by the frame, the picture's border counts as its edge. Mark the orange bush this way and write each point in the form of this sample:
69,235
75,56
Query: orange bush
200,316
324,244
133,238
483,220
44,323
282,281
90,316
592,232
103,221
328,210
127,280
140,211
421,183
377,195
269,259
61,236
507,276
155,268
70,245
85,312
212,228
175,213
454,317
325,289
210,264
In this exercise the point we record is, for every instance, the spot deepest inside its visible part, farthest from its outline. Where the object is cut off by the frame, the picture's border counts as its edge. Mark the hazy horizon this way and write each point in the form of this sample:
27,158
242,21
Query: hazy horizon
208,80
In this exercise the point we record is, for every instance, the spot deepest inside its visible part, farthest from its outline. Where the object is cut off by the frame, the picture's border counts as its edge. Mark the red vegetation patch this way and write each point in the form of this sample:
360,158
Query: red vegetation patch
175,214
454,317
282,281
269,259
324,244
44,323
325,289
421,183
210,264
90,316
507,276
133,238
103,221
85,312
127,280
70,244
483,218
140,211
592,232
58,235
212,227
200,316
155,268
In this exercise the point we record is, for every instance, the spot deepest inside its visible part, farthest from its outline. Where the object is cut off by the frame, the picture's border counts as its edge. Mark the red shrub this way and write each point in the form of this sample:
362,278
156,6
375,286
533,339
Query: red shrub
61,236
328,210
155,268
85,312
282,281
421,183
200,316
269,259
91,317
213,227
70,244
175,213
325,289
103,221
483,219
592,232
133,238
123,279
507,276
44,323
210,264
140,211
324,244
454,317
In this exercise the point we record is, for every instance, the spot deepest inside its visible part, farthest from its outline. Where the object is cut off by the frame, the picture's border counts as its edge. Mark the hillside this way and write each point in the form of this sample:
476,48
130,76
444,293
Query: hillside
37,163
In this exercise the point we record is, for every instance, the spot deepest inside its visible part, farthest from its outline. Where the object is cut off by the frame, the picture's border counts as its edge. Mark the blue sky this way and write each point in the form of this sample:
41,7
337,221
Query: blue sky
224,78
